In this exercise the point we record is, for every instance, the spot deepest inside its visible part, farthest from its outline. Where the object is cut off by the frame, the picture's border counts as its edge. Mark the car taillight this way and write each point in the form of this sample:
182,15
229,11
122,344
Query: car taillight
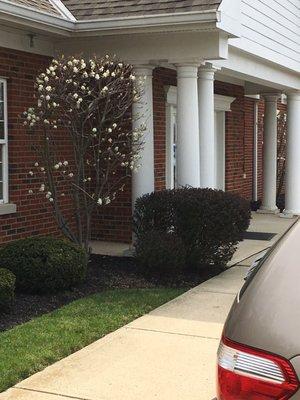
245,373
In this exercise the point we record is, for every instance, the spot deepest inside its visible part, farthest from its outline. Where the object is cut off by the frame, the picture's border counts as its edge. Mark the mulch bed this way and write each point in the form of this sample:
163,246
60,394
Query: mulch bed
104,272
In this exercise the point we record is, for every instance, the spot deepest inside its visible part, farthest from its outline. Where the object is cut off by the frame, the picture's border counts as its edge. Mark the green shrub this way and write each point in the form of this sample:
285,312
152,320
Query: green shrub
209,222
7,289
44,264
160,254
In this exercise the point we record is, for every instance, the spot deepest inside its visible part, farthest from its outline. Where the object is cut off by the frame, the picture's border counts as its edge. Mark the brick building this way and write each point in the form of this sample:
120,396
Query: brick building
216,72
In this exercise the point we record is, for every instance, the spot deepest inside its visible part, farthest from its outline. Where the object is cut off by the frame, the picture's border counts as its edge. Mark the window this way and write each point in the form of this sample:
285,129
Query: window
3,144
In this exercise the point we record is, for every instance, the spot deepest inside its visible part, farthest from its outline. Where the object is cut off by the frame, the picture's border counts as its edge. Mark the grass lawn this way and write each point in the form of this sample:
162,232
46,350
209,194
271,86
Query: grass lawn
30,347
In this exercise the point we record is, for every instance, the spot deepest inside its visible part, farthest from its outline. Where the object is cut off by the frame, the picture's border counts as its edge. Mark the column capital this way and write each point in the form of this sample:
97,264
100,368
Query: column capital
207,72
143,69
188,70
271,97
293,96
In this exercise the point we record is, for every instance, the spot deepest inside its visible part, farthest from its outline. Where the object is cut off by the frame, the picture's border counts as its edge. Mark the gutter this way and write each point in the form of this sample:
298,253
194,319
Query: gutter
149,21
25,16
67,27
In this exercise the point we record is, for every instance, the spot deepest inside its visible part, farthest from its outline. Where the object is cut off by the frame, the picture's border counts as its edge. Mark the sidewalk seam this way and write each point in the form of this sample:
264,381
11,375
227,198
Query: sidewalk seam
50,393
172,333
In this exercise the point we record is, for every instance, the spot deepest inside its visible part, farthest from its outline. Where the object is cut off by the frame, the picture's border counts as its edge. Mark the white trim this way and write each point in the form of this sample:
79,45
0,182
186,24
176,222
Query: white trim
65,12
8,209
223,103
220,162
59,25
171,95
38,20
171,124
4,146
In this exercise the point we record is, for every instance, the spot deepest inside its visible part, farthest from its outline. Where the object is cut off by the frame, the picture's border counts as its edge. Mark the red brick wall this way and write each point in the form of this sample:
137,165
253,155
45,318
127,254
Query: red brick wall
235,140
34,215
162,77
113,223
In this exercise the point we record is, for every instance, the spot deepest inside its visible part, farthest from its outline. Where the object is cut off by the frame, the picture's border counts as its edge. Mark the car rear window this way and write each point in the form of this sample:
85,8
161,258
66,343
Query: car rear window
253,273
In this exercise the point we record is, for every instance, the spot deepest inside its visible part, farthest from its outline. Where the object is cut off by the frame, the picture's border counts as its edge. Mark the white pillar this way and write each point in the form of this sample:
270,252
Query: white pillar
207,127
142,113
292,182
188,161
270,155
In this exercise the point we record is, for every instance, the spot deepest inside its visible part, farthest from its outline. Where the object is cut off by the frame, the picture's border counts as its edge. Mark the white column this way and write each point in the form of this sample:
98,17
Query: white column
142,113
188,161
207,127
292,182
270,155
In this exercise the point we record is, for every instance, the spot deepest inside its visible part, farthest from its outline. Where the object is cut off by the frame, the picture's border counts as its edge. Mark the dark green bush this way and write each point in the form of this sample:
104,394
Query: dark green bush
160,254
7,289
44,264
209,222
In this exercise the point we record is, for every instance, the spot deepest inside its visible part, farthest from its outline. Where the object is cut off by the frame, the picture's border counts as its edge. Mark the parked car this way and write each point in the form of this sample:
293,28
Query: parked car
259,353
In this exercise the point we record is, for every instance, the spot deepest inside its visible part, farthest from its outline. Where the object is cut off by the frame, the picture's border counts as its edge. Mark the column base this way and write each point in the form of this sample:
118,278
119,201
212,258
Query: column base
289,214
265,210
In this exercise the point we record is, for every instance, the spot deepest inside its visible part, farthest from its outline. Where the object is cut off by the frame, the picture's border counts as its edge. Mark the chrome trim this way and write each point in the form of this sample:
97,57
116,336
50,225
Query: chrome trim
249,364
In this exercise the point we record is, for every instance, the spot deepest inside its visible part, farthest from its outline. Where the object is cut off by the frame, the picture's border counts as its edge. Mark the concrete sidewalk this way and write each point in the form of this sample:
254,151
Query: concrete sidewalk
167,354
269,223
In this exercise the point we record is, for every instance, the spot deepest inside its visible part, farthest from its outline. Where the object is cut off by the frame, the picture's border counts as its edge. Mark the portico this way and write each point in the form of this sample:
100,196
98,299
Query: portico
203,128
200,130
196,141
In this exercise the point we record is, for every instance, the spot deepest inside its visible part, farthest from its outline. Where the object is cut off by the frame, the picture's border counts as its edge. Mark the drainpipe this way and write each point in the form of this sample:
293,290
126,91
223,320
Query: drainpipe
256,99
255,152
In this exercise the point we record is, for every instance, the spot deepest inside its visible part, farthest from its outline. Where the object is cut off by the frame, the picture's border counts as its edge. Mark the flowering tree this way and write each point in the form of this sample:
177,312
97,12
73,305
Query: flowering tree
281,149
88,103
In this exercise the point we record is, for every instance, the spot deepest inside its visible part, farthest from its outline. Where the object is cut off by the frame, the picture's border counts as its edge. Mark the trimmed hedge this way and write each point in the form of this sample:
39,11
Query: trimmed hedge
44,264
7,289
160,254
209,222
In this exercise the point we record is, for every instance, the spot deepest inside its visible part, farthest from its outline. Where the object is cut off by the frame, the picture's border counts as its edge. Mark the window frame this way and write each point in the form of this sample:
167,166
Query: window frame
4,146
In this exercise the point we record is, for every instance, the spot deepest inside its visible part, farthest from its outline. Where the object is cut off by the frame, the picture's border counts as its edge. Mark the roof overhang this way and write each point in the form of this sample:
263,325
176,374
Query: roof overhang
21,16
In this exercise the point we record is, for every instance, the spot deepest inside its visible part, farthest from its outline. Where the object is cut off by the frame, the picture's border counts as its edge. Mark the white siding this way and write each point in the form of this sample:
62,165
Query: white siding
271,30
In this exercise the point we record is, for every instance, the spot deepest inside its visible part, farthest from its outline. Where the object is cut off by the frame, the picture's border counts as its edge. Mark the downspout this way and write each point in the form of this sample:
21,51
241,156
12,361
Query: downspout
255,152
